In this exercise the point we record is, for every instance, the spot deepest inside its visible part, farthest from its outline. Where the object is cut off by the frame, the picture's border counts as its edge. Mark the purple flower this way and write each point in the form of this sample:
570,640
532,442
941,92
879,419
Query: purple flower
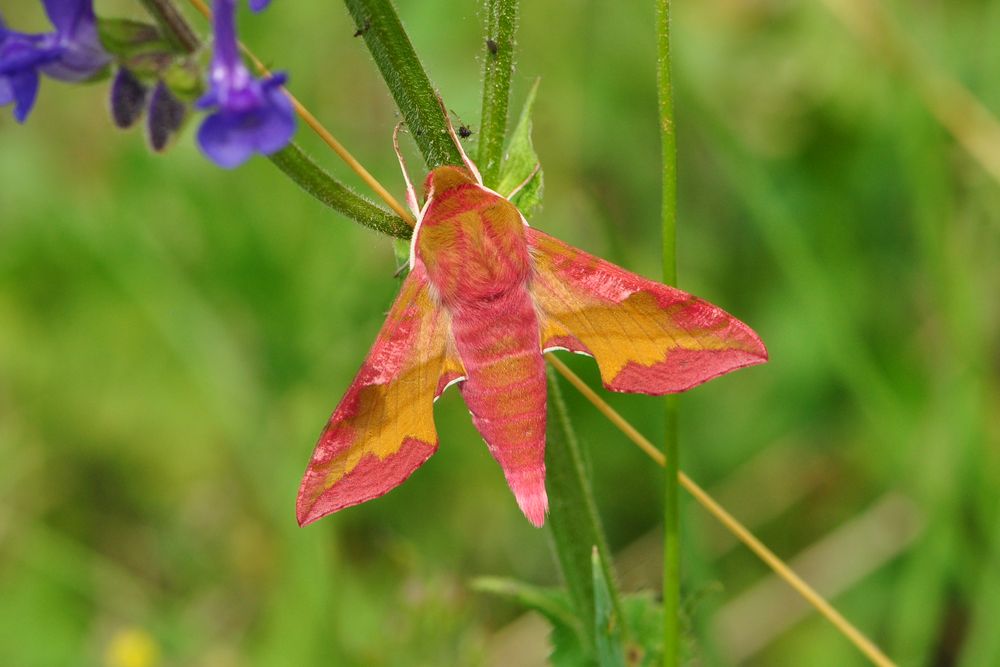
250,115
72,53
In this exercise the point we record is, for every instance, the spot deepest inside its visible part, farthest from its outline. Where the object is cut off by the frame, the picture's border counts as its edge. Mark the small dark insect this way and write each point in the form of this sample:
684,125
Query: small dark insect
463,130
492,47
363,29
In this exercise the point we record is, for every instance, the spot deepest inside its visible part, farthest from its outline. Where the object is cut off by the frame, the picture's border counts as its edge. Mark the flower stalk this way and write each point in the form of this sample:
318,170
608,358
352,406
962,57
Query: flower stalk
668,219
312,178
175,27
498,67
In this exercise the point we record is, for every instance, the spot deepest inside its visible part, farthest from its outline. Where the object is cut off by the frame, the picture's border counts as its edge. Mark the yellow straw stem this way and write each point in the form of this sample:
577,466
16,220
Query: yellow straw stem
726,519
323,133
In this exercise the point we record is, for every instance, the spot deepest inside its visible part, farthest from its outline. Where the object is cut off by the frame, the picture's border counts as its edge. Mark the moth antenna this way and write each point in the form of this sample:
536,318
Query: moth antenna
411,194
522,184
469,164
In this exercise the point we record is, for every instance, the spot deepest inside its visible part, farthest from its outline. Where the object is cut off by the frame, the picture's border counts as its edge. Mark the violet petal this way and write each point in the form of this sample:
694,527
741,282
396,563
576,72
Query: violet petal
69,15
220,141
276,123
24,88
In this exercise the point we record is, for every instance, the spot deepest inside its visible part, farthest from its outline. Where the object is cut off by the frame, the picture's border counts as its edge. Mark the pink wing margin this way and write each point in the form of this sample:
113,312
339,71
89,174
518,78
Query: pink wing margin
646,337
383,428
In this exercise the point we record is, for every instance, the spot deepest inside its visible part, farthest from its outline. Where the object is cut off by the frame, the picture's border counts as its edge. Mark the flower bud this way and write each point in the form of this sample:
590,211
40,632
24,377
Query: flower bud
128,98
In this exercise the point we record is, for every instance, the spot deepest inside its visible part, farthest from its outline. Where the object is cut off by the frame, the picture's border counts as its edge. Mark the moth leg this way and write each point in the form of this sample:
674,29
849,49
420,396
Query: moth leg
466,160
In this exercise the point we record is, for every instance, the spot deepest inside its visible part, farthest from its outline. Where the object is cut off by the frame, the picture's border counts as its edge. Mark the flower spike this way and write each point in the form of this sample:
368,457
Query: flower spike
249,115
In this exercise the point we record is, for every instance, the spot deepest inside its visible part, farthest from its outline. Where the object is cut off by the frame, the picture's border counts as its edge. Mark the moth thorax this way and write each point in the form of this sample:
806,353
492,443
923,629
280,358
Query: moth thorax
471,240
445,178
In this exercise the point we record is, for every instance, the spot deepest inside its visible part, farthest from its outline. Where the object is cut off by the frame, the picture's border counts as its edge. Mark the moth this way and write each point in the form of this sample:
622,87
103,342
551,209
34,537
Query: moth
486,297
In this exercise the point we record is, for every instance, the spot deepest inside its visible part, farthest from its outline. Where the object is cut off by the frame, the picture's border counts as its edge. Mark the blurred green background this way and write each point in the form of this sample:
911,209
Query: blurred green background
173,337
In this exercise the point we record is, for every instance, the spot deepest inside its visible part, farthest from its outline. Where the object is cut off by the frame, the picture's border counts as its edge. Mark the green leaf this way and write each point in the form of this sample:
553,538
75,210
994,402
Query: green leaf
569,644
551,603
521,163
568,649
607,623
573,520
644,620
128,39
401,249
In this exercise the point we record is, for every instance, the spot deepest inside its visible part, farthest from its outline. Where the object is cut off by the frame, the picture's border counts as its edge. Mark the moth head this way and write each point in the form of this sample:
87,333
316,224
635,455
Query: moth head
445,178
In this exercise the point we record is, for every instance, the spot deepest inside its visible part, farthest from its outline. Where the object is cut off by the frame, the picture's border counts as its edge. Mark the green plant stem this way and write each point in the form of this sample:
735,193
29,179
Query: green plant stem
313,179
671,492
178,32
291,160
408,82
573,520
498,67
671,539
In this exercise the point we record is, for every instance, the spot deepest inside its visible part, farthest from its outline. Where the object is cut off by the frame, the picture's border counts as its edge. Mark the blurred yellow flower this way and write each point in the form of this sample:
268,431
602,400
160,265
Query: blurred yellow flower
132,647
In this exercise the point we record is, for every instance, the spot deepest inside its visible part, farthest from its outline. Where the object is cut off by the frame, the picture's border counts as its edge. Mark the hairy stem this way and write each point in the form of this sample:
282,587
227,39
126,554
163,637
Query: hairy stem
313,179
671,493
416,98
498,66
573,519
179,33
